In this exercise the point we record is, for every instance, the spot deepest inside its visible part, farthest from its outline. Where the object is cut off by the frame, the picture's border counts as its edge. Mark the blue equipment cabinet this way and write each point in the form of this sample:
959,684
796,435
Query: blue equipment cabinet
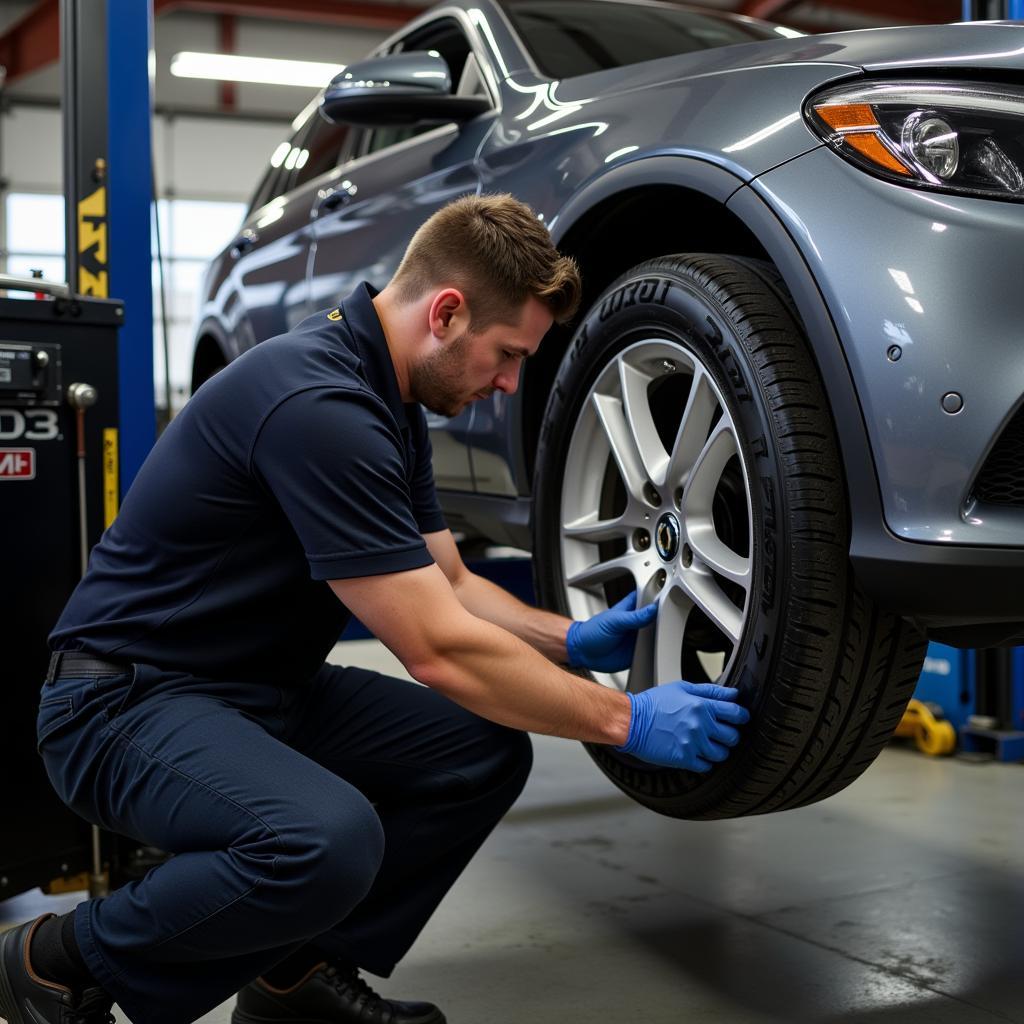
948,680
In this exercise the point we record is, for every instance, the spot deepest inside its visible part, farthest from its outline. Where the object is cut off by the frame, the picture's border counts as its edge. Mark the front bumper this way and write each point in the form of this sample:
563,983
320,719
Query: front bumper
937,277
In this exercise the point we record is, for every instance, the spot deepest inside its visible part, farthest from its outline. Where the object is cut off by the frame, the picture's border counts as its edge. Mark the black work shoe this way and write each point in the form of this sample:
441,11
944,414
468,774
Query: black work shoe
327,995
25,998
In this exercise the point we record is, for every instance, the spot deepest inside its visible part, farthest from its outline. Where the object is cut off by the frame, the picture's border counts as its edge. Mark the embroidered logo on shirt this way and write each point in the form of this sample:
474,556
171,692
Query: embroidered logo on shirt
335,314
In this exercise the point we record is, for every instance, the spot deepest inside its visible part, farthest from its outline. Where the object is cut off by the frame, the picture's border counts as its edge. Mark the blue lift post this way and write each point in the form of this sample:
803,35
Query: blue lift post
993,10
130,106
947,679
998,726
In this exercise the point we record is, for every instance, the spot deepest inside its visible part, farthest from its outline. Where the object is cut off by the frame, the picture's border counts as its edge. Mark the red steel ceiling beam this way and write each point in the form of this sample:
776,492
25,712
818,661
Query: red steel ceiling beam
767,9
359,13
892,12
33,42
227,25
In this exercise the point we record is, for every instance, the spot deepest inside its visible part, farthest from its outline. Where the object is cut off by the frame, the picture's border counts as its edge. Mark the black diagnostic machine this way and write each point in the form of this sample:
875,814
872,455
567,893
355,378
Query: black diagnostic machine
58,492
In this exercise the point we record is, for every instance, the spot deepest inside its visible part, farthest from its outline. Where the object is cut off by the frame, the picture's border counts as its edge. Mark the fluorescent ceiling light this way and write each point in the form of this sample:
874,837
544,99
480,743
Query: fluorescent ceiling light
265,70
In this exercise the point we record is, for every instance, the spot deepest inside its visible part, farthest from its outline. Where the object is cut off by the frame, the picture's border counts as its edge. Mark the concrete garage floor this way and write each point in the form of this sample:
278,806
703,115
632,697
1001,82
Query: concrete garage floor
900,900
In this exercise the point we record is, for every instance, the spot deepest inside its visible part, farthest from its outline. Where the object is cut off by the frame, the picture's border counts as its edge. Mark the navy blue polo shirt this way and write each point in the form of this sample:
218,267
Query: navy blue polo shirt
296,464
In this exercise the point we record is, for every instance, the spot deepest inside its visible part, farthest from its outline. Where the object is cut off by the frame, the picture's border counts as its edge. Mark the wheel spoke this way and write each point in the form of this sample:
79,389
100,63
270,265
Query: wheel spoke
714,602
644,673
717,555
641,672
693,430
603,572
637,411
622,442
699,491
675,609
594,530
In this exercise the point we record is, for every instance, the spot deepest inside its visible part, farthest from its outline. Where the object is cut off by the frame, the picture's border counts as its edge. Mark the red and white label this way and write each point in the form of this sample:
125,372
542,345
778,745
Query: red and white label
17,463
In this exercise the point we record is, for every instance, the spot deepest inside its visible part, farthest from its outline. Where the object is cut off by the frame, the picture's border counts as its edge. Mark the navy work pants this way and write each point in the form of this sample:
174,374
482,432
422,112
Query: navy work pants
335,813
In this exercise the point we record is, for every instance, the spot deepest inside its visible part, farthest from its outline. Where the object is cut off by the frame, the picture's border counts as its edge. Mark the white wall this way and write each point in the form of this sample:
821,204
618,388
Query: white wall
30,149
196,157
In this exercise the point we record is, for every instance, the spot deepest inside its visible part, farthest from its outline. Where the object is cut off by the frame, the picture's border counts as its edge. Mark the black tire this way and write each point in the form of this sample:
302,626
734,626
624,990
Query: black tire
825,673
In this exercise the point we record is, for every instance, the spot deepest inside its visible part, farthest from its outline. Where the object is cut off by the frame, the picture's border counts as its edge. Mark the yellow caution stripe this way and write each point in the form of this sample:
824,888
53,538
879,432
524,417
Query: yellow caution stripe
111,496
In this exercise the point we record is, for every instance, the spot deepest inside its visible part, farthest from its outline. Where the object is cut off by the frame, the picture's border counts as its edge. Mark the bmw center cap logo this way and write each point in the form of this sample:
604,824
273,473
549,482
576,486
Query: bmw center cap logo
666,536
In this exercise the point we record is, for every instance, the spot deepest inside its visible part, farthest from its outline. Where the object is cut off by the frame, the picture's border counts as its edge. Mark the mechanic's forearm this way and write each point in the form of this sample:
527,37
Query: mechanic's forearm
543,631
499,677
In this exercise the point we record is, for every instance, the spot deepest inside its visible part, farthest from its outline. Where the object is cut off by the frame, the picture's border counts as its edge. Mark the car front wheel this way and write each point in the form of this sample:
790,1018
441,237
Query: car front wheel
688,452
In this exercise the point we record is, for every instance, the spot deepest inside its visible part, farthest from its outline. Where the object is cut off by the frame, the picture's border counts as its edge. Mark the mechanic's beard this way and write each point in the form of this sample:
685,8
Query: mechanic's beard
437,382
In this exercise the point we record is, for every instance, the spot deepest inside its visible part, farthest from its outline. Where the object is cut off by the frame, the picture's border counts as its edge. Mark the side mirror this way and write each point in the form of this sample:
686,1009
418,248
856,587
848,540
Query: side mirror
398,89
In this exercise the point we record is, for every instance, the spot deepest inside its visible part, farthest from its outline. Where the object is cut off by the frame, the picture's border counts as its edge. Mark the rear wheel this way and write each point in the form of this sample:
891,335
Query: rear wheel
207,361
688,452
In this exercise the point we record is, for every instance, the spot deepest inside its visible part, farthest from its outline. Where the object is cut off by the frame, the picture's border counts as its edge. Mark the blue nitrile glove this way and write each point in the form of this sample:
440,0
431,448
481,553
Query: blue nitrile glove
684,725
605,642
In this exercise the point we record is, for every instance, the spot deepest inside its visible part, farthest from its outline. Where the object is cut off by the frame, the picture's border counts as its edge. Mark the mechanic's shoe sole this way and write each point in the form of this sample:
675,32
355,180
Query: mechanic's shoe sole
238,1017
326,995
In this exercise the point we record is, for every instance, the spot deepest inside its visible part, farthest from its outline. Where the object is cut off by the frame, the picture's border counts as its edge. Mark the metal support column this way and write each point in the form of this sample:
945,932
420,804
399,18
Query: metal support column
130,105
84,67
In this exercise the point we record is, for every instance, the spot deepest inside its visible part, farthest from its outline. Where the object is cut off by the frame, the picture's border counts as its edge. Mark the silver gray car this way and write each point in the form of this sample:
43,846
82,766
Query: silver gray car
791,409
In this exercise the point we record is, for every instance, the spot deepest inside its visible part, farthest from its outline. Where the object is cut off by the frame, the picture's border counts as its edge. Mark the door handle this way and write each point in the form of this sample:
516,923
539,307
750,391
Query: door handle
333,198
244,242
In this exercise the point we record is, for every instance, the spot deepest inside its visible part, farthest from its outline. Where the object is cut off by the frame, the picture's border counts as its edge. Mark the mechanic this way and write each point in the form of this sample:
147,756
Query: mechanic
318,814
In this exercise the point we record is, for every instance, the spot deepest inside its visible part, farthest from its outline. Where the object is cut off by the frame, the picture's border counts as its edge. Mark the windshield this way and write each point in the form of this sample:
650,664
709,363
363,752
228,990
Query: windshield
575,37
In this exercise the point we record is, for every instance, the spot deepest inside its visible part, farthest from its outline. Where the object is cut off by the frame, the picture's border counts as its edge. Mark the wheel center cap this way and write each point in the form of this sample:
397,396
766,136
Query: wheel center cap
666,537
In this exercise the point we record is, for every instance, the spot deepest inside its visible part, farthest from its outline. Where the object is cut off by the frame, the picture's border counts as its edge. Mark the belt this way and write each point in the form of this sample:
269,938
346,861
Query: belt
78,665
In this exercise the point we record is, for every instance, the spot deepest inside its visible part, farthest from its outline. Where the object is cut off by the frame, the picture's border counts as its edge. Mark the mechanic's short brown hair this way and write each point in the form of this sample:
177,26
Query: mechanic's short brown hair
496,251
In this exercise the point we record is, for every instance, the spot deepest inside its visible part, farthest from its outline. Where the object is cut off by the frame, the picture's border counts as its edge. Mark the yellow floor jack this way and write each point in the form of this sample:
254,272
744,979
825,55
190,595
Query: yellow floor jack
924,724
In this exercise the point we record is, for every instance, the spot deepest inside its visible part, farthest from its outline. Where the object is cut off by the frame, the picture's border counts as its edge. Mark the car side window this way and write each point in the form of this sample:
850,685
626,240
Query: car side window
277,179
267,188
320,150
446,38
315,147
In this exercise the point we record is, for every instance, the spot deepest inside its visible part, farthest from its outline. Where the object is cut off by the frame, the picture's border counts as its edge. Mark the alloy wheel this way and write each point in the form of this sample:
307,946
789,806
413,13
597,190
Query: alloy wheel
656,497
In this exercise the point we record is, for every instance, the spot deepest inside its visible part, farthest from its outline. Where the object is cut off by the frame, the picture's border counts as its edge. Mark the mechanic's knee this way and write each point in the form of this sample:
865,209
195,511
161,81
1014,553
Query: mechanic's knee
520,758
507,762
334,858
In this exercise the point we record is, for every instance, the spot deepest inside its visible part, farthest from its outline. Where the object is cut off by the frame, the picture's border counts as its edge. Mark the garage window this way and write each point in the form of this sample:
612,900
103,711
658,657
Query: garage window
34,236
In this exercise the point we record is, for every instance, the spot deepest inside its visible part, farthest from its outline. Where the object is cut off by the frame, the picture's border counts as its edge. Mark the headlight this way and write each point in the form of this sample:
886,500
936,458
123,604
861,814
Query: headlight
950,136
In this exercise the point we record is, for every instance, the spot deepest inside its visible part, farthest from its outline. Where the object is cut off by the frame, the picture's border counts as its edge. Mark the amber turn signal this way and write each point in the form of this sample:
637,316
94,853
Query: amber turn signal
859,128
844,117
870,145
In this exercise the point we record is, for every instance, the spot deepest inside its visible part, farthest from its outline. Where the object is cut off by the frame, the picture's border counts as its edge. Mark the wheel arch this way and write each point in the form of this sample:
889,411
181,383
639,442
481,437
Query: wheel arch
599,228
209,356
614,223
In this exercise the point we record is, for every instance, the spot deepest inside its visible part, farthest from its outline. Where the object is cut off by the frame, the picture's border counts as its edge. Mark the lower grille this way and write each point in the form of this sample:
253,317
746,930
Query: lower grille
1001,480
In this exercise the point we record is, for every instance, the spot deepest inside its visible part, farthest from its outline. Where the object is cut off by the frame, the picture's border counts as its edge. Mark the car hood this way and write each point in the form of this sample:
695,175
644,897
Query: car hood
985,46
